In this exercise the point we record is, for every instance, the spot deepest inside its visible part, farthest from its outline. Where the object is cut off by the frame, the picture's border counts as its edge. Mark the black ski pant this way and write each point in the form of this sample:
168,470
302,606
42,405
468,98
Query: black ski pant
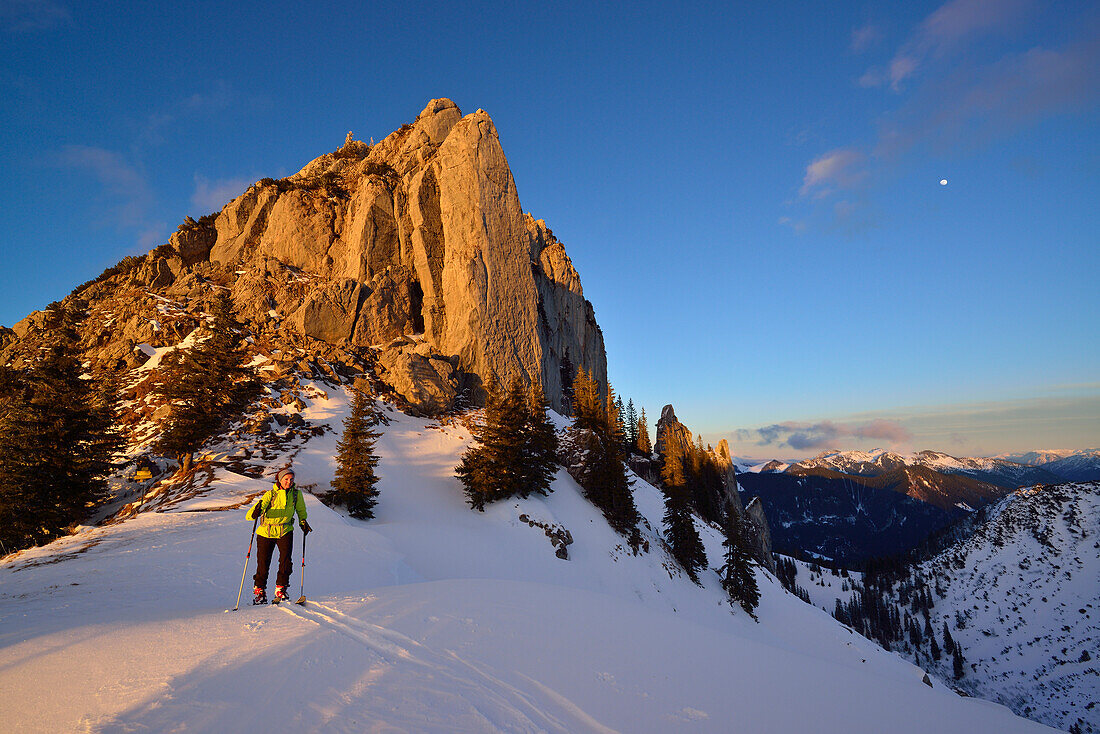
265,547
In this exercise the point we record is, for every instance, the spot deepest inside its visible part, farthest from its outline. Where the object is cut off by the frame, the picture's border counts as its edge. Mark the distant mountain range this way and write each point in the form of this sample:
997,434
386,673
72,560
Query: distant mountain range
1005,470
849,506
842,518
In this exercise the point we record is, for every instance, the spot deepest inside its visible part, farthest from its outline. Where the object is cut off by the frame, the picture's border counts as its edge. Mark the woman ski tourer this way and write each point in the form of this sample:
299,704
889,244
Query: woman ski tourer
275,510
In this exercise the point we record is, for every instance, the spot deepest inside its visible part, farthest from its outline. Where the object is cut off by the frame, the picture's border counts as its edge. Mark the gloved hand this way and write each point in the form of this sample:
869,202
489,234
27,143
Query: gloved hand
305,527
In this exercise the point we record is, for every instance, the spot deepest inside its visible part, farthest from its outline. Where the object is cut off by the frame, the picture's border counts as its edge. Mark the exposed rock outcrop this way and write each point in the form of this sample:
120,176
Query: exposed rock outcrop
671,430
760,534
413,254
725,462
423,235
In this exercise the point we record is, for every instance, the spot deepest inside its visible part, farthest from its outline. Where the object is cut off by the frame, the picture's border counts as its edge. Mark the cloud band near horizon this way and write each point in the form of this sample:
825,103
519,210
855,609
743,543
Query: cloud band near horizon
824,434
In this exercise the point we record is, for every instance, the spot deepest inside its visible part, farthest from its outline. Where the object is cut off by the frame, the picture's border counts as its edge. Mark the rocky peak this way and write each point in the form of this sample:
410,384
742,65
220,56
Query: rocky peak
723,453
414,249
670,431
424,237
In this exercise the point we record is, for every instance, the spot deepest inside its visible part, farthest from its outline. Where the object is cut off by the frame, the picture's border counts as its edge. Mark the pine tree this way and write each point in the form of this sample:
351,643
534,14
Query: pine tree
645,447
683,539
619,419
207,385
541,444
354,483
631,419
567,371
597,442
738,578
957,662
515,450
56,438
948,643
934,647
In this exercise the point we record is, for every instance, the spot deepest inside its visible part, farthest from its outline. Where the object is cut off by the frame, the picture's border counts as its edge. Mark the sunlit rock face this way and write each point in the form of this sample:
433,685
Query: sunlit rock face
422,236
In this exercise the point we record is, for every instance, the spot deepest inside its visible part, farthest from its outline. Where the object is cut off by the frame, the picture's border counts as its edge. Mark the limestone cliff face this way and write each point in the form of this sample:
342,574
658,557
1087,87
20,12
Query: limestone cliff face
724,460
671,430
421,236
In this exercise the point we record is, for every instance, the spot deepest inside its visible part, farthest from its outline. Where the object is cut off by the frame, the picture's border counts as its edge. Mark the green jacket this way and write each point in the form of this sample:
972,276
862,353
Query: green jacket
276,514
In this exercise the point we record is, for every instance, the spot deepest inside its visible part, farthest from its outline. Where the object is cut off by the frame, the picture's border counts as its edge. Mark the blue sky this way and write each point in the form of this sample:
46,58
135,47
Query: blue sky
750,192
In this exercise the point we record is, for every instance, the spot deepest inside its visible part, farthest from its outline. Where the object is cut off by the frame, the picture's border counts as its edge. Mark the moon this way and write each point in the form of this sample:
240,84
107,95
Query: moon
943,182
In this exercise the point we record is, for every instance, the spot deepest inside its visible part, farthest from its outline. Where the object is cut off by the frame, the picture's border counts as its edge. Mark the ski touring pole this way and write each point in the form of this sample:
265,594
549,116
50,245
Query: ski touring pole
248,555
302,598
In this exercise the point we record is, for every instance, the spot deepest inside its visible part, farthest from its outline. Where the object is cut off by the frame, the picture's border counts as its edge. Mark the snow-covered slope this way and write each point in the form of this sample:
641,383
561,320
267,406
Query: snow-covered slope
1037,457
1074,465
1025,587
429,618
1079,467
1019,587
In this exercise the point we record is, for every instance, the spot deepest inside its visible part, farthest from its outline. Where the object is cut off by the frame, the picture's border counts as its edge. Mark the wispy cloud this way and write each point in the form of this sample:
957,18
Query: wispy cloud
798,226
973,105
124,192
219,95
125,195
120,181
954,92
825,434
842,167
25,16
948,29
865,37
211,196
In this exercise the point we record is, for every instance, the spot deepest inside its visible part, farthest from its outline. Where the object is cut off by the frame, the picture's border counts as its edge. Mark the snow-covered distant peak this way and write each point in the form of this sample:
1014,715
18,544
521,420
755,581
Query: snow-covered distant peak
1039,457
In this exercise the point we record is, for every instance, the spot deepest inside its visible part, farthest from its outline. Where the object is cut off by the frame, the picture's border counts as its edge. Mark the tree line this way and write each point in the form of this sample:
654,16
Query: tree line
516,452
57,437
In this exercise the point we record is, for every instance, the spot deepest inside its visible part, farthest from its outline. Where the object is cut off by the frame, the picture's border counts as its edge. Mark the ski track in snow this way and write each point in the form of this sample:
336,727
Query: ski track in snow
506,707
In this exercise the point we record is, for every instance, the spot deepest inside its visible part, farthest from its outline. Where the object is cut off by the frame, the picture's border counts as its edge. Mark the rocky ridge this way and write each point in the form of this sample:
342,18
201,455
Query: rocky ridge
672,433
412,255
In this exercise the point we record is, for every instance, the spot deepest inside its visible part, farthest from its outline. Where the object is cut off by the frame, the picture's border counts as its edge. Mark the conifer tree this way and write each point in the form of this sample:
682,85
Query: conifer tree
515,450
568,371
631,420
601,473
644,444
56,438
957,662
948,643
737,575
683,539
540,444
354,483
618,420
207,385
934,647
